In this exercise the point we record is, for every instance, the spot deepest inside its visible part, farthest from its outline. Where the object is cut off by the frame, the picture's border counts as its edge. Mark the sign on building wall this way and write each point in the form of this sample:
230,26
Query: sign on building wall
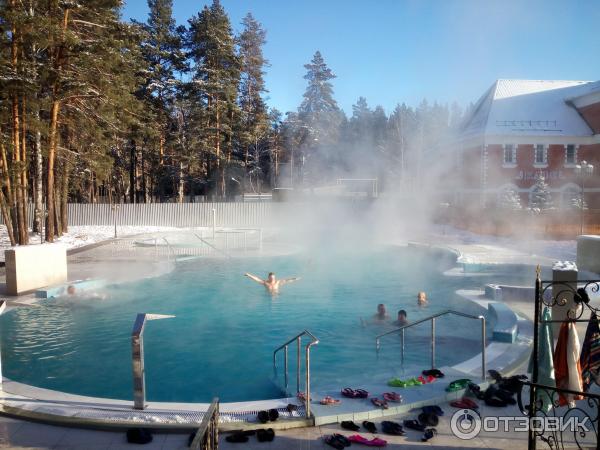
529,175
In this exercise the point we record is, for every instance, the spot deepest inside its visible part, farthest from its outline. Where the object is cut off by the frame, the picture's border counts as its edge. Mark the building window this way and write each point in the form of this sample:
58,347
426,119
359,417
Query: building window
510,155
541,155
570,155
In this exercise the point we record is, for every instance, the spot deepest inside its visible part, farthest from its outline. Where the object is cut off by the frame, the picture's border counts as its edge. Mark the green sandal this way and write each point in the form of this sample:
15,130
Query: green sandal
397,382
458,385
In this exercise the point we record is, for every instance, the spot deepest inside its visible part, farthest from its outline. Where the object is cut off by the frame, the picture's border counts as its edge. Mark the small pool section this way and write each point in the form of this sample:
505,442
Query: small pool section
226,327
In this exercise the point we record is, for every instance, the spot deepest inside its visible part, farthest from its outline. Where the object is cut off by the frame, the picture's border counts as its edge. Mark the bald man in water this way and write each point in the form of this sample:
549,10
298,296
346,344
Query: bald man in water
272,284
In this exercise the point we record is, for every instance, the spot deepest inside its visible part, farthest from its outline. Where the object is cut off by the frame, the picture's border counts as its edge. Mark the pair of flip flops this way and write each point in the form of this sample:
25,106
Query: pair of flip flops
458,385
265,435
380,403
337,441
392,397
414,425
375,442
429,419
369,426
392,428
426,379
349,425
397,382
235,438
266,416
464,403
329,401
355,393
433,409
437,373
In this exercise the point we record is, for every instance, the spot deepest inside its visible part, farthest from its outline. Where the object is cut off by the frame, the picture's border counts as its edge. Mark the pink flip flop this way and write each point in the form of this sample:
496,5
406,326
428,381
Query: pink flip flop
376,442
379,403
327,400
392,397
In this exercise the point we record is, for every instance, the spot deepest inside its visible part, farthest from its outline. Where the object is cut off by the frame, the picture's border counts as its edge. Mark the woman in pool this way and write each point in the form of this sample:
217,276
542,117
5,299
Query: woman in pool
272,284
422,299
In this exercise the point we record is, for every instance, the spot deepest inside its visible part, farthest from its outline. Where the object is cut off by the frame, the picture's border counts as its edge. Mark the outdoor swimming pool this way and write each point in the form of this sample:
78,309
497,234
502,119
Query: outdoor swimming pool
226,327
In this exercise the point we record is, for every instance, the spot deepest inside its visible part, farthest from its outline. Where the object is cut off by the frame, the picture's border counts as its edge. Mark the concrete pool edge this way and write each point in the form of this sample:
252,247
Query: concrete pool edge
54,409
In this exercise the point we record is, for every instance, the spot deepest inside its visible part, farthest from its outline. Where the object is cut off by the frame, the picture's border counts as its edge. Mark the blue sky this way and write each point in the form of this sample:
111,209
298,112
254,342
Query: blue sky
393,51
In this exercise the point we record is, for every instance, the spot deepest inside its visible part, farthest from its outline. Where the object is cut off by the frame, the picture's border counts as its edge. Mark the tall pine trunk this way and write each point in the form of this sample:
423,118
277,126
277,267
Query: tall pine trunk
53,135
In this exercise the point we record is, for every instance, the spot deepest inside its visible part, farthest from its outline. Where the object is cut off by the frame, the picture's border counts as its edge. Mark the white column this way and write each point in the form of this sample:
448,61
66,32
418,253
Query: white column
565,274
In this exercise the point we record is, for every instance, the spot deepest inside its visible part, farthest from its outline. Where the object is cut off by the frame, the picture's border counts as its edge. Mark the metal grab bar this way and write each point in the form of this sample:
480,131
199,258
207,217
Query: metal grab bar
212,246
432,319
284,347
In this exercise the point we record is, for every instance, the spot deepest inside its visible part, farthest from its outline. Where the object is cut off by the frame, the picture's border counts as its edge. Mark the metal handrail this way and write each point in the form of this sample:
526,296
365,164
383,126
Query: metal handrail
170,249
212,246
284,347
432,319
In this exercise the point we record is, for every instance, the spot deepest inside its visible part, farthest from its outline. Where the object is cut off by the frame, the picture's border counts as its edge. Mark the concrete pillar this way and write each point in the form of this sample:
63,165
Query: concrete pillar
565,273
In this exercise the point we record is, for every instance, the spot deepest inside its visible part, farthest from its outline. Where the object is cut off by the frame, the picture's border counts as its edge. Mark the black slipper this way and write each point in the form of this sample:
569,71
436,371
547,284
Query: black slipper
342,439
265,435
273,415
433,409
437,373
414,425
429,433
495,401
263,416
369,426
392,428
334,442
349,425
428,419
237,438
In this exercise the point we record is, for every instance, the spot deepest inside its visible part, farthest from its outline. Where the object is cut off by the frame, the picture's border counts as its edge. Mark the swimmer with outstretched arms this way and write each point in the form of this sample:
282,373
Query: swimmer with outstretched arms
272,284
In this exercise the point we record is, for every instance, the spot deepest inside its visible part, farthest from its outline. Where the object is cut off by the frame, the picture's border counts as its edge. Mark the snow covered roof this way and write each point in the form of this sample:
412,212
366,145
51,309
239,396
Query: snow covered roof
530,108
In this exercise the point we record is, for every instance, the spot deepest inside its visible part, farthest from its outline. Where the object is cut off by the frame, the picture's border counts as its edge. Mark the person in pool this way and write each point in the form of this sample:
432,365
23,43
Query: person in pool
381,313
272,284
422,299
402,319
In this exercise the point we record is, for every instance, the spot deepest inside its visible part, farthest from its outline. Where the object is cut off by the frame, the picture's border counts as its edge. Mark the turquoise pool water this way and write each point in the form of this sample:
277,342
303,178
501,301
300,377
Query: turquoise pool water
226,327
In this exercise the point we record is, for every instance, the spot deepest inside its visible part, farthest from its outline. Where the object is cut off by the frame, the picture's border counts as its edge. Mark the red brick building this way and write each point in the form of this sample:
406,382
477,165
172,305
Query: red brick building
521,127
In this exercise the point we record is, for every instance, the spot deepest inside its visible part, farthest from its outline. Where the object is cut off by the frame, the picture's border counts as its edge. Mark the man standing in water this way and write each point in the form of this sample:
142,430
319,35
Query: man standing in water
272,284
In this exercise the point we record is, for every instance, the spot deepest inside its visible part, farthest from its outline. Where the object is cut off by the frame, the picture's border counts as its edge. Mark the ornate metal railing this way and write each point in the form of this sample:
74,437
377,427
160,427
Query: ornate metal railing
207,435
560,427
557,435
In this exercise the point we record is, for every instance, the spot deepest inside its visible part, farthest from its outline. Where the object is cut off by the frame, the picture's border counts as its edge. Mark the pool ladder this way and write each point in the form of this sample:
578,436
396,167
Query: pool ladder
432,319
298,339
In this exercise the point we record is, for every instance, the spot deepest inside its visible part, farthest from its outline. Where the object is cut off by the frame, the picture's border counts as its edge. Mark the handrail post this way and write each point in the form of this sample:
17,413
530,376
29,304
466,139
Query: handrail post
285,364
402,337
433,343
298,358
483,339
307,406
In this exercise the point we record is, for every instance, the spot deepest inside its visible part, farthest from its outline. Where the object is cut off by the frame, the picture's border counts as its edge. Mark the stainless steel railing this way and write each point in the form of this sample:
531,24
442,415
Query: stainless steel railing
431,319
284,347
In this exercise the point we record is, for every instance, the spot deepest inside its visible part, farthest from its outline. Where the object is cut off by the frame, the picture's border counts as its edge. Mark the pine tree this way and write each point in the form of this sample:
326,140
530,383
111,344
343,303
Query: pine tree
320,120
541,198
164,57
215,81
255,118
509,200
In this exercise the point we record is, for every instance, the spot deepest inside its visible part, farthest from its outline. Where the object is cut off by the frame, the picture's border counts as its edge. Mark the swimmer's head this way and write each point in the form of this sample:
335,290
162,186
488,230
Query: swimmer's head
271,277
381,309
71,290
421,298
402,315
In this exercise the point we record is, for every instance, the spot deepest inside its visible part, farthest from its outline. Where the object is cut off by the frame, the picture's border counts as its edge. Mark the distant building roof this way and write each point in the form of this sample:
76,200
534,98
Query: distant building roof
531,108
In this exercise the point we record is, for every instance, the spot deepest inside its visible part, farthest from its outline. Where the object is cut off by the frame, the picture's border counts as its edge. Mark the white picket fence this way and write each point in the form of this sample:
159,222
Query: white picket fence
169,214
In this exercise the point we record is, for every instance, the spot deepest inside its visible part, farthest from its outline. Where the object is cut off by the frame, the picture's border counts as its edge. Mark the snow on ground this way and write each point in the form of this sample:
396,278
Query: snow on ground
84,235
558,250
79,236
